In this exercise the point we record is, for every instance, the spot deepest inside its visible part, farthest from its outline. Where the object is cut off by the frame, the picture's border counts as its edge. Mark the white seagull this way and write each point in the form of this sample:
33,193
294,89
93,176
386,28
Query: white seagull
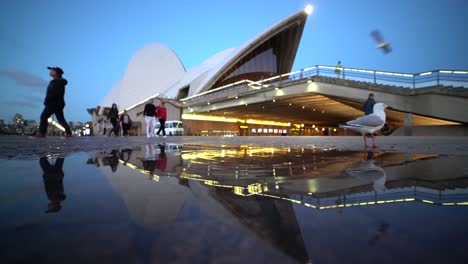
369,124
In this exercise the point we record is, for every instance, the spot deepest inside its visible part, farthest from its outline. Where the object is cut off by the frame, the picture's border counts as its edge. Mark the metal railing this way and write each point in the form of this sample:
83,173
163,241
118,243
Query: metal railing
447,78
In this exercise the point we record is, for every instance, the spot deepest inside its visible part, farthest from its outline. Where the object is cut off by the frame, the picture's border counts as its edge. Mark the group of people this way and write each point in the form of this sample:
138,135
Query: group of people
116,120
151,112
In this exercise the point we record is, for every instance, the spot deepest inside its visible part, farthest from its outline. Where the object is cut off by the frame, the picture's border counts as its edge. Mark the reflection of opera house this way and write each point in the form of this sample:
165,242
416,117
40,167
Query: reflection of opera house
155,71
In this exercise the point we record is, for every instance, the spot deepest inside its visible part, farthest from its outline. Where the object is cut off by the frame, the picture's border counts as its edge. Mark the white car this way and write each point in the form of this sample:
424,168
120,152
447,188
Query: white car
172,127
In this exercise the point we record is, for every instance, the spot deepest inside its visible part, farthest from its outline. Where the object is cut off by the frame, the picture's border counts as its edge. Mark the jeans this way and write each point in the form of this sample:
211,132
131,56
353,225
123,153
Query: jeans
150,125
51,110
161,127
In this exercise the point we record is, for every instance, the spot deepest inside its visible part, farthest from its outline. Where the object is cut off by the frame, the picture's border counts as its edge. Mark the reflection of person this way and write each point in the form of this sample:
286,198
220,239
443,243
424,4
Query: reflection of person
54,102
53,183
161,161
149,161
113,160
125,155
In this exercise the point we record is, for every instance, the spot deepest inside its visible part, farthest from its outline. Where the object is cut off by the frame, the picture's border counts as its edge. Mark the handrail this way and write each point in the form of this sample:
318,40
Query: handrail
404,80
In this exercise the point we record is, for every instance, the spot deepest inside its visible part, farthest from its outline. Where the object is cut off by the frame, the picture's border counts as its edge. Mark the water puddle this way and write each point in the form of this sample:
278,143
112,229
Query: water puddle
193,203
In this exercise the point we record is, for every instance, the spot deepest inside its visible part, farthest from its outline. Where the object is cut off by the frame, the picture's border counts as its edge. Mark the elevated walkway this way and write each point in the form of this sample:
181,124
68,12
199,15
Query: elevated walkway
440,94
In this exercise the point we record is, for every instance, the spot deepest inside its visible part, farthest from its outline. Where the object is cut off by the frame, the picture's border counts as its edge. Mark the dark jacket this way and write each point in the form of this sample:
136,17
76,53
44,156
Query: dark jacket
113,114
368,106
56,93
150,110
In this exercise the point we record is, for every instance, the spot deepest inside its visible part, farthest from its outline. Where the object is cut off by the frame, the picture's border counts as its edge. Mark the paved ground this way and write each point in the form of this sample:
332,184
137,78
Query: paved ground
20,147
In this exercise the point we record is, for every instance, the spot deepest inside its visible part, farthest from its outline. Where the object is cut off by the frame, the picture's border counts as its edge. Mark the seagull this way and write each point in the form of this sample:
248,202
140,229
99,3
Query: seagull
367,170
369,124
381,43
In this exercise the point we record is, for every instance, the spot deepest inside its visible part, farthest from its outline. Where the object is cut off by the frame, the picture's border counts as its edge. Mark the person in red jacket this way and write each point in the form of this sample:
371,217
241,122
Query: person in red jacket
161,114
126,122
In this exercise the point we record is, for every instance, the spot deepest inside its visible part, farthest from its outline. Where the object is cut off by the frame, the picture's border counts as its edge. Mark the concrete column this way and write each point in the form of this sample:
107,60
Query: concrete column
408,124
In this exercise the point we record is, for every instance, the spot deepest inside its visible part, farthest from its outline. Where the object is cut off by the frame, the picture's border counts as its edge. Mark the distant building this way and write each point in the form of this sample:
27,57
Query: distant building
1,122
155,71
18,120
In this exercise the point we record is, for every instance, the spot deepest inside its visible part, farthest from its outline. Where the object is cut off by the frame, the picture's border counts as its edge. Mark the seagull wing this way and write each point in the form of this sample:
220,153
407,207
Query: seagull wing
371,120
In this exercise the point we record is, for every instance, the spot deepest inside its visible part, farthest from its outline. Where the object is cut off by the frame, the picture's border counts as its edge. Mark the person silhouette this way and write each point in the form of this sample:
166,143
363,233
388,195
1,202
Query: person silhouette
53,183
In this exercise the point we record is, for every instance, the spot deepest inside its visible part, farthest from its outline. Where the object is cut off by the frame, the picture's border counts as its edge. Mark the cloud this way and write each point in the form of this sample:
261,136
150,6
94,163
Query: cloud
23,78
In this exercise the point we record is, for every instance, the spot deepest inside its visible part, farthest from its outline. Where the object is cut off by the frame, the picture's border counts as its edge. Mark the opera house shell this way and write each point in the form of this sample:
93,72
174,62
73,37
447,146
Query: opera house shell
156,71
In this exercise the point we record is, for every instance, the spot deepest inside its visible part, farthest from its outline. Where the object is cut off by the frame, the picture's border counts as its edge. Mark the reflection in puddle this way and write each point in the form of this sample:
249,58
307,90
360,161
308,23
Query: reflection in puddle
310,177
165,203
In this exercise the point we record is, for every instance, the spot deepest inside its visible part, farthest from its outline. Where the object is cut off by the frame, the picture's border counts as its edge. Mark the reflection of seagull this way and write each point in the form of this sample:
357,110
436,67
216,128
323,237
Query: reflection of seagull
369,124
368,171
381,43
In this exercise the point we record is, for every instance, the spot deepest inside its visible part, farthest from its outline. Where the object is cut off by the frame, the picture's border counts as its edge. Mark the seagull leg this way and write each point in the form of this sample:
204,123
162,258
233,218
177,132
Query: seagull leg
365,141
373,142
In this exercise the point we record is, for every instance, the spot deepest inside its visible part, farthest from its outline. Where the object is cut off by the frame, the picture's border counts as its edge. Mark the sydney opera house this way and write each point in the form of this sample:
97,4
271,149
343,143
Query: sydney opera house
155,71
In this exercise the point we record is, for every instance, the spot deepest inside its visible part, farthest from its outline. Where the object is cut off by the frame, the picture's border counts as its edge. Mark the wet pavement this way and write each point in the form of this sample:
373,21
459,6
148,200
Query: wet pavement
233,200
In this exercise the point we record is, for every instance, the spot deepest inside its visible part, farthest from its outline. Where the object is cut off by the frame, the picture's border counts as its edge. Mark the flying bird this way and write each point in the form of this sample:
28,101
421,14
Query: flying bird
369,124
381,43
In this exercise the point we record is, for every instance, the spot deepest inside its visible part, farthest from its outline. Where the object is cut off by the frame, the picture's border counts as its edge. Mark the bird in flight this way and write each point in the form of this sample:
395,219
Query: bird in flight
381,43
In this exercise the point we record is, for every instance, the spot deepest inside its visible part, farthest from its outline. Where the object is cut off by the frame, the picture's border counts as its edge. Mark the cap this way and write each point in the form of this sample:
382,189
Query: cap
57,69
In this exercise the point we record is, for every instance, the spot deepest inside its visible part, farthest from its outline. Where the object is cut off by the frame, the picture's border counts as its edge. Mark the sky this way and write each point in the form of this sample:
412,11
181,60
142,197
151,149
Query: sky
93,41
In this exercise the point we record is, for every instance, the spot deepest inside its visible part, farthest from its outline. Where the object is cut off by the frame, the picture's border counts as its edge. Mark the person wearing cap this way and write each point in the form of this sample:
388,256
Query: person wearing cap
54,102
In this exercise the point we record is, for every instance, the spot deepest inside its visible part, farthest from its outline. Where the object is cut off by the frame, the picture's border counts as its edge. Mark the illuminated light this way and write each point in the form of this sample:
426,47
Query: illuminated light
276,88
323,129
363,204
334,130
87,125
279,93
302,125
155,178
341,205
390,201
448,203
463,203
399,200
410,199
445,71
274,100
49,120
208,103
348,205
236,97
309,81
427,201
380,202
323,112
244,127
303,107
312,87
314,109
246,104
290,104
322,208
461,72
313,126
425,73
371,203
310,205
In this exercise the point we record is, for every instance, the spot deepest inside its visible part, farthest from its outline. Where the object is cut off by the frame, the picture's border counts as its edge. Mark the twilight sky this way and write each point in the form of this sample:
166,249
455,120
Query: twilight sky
93,41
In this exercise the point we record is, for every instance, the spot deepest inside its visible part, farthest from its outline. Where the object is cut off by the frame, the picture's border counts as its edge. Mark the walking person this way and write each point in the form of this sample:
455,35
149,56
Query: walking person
161,113
338,69
126,122
54,102
368,106
150,119
114,117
